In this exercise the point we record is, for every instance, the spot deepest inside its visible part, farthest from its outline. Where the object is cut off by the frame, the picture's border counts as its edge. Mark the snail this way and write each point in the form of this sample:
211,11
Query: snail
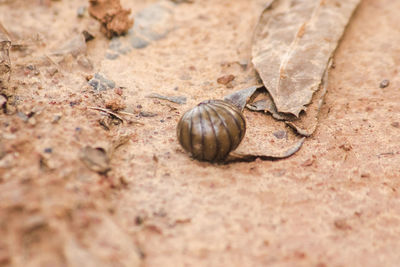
211,130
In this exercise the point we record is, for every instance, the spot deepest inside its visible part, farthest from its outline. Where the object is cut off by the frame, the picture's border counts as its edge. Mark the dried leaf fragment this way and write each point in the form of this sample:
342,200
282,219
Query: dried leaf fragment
273,155
252,148
241,97
114,19
294,41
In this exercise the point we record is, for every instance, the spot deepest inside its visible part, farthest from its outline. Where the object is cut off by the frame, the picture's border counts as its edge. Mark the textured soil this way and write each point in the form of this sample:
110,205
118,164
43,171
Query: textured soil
334,203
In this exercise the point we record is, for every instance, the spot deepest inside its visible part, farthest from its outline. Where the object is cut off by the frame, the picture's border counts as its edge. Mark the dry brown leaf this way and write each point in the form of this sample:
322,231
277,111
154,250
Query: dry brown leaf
260,125
293,43
307,122
241,97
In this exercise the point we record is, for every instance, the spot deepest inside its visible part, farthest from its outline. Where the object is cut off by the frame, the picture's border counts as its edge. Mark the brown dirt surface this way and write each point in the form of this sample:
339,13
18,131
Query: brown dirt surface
141,201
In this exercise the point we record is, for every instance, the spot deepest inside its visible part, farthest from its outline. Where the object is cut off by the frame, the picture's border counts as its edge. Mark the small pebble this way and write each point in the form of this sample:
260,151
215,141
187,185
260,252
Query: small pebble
396,124
124,50
100,83
48,150
102,78
115,43
80,12
147,114
138,43
243,63
385,83
56,118
225,79
84,62
22,116
111,56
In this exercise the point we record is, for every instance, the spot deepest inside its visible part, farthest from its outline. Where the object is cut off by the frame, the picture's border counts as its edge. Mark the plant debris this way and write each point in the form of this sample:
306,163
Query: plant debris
292,52
241,97
250,151
112,114
174,99
293,44
273,155
114,19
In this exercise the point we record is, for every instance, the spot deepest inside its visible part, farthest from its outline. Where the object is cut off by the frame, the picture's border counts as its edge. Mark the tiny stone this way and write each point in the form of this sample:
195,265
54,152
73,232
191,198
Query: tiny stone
115,43
80,12
147,114
103,79
124,50
243,63
101,83
56,118
395,124
102,87
138,43
22,116
84,62
48,150
94,83
225,79
111,56
385,83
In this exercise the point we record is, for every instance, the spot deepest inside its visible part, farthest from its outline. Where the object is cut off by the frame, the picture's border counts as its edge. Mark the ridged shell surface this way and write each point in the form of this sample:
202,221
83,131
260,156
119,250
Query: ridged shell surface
211,130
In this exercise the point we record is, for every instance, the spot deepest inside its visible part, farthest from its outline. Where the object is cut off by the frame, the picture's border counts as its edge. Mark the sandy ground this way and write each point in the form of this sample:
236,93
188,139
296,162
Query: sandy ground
334,203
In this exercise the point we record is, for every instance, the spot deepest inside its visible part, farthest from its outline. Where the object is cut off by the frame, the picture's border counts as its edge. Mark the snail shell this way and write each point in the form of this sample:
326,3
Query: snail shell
211,130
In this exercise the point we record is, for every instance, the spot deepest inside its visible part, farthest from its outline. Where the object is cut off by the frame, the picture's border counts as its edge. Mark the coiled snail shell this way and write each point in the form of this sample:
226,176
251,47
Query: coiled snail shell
211,130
